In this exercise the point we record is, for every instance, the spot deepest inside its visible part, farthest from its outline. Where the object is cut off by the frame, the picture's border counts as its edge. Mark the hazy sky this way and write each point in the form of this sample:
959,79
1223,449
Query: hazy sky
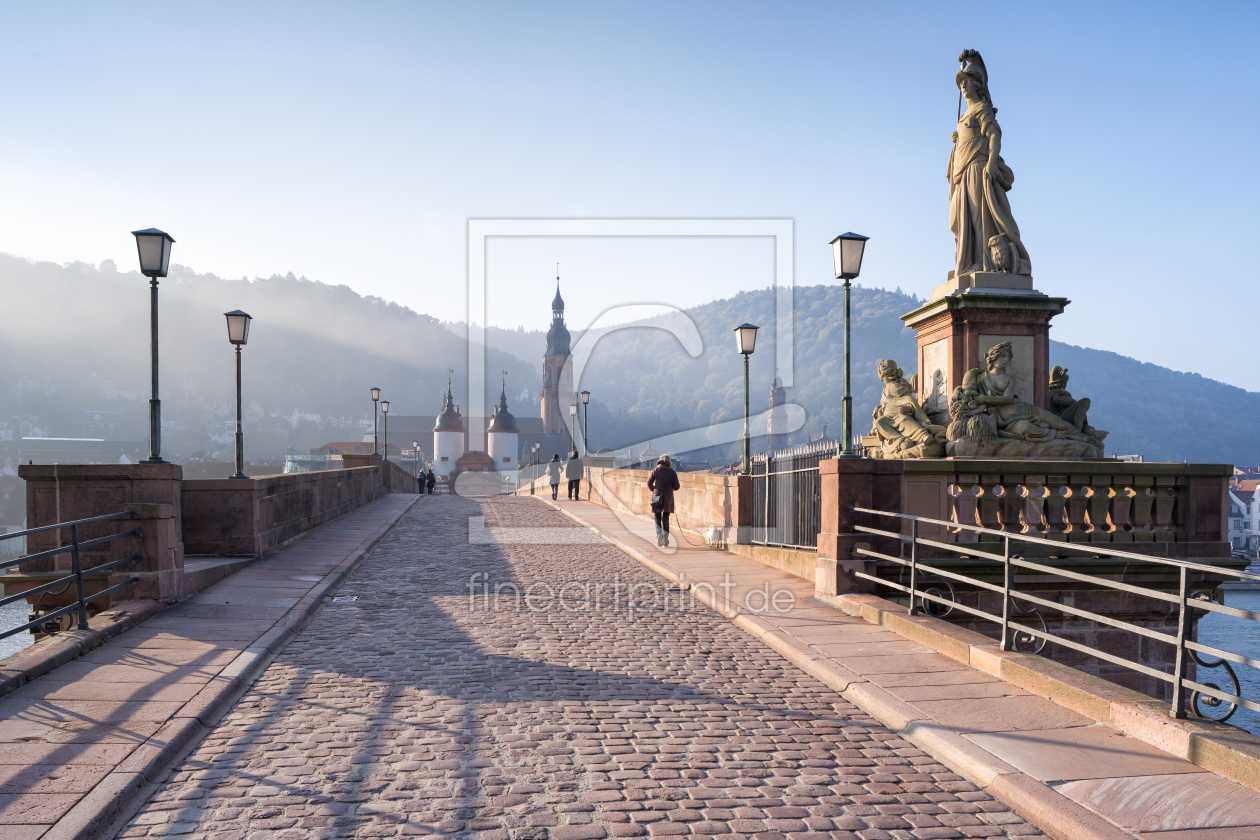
352,142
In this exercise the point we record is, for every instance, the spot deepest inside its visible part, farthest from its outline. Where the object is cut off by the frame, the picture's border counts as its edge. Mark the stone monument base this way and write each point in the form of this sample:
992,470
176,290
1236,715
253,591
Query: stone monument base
980,280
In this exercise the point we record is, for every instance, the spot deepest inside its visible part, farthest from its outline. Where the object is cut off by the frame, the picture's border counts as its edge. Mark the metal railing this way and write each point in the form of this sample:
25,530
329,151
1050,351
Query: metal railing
73,547
787,495
1208,700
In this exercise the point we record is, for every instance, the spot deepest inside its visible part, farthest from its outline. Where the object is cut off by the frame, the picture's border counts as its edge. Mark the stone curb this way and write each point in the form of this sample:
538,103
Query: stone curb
1055,814
120,795
47,654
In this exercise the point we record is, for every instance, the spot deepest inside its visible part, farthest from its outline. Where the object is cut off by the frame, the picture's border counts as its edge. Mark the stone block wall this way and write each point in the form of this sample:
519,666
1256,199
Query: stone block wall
251,517
702,500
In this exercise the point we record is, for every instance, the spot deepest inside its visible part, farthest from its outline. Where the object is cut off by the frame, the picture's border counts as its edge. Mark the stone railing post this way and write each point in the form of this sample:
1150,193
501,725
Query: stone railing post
864,482
64,492
160,569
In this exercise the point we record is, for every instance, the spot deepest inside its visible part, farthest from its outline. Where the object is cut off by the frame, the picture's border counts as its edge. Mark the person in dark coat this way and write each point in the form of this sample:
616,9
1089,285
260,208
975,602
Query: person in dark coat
573,472
663,481
430,480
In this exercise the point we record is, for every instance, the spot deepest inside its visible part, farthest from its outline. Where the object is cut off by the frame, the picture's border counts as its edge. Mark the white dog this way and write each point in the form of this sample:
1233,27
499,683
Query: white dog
713,536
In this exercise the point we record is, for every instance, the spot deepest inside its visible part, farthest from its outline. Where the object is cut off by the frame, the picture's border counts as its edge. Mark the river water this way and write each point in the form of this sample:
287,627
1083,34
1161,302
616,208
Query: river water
1236,636
14,615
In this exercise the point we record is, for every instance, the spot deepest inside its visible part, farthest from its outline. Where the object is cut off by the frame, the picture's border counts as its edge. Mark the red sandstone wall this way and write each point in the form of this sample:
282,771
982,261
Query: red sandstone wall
250,517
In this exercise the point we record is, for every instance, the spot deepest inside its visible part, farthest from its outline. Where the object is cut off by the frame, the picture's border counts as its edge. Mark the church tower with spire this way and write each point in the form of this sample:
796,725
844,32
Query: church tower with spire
557,393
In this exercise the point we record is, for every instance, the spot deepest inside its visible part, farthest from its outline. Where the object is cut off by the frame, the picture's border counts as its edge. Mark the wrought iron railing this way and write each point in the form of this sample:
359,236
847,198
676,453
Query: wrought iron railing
787,495
928,583
50,622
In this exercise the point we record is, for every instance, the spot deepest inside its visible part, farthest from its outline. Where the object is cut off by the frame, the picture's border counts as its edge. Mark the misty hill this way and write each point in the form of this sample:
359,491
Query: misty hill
77,339
1154,411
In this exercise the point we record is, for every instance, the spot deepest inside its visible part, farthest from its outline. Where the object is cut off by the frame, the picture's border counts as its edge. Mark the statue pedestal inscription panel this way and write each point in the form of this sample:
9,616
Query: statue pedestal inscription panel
955,330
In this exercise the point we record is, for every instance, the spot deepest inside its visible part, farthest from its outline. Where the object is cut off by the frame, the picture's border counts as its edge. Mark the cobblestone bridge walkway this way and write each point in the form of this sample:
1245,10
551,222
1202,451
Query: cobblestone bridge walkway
408,708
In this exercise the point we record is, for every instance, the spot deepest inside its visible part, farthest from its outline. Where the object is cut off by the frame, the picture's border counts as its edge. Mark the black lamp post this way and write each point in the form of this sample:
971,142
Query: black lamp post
573,422
238,334
385,411
376,395
846,251
154,247
586,429
415,454
745,342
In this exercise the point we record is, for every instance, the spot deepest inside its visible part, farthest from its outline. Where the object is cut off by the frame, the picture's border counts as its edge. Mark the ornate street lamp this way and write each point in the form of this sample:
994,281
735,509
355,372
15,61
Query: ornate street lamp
745,342
573,423
586,430
154,247
385,411
846,251
376,395
238,334
415,455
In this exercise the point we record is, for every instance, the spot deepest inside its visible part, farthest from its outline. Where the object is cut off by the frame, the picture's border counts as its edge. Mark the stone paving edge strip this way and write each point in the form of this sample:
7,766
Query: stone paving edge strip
54,651
1218,748
1053,813
120,795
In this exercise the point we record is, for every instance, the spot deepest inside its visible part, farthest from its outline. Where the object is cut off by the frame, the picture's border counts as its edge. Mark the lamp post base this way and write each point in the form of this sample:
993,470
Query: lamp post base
154,461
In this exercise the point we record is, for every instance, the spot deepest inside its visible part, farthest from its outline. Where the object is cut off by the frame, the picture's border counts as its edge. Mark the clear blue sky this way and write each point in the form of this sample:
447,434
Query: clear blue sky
350,143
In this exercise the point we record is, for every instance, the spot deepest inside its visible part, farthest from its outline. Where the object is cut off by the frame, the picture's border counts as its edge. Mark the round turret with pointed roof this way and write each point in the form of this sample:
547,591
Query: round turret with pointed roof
502,421
449,420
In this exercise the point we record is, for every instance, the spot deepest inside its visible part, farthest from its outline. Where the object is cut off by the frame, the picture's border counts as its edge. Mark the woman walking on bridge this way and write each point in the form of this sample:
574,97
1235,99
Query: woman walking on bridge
663,482
553,473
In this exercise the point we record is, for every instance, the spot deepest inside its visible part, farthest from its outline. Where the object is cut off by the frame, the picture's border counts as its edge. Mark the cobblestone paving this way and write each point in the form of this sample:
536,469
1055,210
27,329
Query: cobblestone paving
404,710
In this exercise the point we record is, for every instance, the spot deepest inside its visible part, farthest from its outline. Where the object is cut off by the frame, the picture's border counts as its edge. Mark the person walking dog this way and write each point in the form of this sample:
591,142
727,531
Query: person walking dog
573,472
663,482
553,473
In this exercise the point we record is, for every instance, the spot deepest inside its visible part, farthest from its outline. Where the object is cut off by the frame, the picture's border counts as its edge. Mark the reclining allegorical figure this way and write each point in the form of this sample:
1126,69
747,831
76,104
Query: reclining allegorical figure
1016,429
903,429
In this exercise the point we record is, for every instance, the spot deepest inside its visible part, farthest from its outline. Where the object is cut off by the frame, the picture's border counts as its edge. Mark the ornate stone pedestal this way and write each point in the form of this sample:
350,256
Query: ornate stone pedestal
969,314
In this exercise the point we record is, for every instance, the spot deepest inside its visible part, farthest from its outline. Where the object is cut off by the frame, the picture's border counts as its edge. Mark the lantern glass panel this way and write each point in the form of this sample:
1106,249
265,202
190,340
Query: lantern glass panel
385,406
150,248
376,394
586,397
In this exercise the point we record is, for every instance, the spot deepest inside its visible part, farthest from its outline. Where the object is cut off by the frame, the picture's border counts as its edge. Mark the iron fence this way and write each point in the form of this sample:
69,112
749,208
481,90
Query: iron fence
50,622
1020,611
786,495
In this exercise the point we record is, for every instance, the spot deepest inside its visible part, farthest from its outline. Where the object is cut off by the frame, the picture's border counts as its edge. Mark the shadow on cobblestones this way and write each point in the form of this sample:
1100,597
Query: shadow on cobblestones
401,711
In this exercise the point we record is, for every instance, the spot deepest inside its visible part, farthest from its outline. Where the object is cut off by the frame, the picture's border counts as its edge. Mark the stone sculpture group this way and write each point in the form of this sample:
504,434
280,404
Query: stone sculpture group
987,417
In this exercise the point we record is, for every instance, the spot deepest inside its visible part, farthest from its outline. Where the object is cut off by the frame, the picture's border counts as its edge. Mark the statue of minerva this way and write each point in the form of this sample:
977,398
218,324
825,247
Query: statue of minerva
986,237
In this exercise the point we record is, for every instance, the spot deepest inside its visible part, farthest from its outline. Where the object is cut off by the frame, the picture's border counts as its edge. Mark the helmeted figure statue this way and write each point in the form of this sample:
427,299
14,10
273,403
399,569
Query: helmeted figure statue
900,424
986,237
